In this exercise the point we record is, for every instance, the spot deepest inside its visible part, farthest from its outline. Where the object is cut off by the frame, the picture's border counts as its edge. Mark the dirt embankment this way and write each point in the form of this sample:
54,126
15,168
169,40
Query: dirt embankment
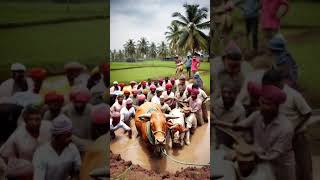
120,168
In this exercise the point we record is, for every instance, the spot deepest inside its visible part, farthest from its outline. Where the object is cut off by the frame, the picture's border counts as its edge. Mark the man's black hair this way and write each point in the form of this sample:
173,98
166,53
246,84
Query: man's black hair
271,77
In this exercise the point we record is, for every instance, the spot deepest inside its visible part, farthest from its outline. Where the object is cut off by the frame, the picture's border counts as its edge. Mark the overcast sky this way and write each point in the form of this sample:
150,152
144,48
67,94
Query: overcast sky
133,19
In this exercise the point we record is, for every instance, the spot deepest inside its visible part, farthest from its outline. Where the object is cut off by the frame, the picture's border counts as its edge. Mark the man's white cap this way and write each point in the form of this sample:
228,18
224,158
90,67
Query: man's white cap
159,89
115,82
18,67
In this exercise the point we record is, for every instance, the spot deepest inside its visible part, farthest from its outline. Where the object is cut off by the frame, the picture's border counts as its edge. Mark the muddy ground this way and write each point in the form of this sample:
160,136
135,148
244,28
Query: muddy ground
118,168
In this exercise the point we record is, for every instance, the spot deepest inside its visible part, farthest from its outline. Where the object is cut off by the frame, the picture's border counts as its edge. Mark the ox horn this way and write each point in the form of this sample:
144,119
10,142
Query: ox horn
144,116
170,116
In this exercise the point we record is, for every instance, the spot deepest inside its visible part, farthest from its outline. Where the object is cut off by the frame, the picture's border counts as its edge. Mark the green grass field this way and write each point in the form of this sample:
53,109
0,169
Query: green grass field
51,46
26,12
154,69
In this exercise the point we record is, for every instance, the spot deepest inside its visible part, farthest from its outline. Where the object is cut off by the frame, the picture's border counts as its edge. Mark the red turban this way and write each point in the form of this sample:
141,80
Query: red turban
99,114
195,91
121,85
38,73
254,89
80,95
143,83
161,80
153,87
273,94
141,97
168,86
53,97
126,92
189,89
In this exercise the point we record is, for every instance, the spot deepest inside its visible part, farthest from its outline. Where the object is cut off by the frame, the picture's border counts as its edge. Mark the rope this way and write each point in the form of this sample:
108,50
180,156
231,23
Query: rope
181,162
122,174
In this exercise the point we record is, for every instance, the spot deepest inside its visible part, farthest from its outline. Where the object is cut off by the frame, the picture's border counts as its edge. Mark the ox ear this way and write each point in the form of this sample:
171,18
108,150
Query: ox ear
144,116
170,116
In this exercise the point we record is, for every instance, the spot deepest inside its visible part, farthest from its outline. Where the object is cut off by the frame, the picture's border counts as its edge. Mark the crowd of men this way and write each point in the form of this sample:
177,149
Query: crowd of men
168,93
266,107
46,131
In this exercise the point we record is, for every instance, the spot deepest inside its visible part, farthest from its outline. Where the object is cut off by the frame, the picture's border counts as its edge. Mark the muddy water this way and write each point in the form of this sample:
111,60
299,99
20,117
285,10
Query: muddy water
134,150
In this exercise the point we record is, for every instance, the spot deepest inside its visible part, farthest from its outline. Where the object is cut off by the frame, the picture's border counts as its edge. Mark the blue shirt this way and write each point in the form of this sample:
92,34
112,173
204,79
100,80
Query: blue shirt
188,62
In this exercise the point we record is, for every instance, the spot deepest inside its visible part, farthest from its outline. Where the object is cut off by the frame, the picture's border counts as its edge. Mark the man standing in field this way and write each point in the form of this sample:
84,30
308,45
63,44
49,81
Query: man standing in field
195,63
271,14
187,63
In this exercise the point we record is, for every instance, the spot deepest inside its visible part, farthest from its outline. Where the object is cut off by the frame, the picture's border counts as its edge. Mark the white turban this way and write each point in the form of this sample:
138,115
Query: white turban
61,124
18,67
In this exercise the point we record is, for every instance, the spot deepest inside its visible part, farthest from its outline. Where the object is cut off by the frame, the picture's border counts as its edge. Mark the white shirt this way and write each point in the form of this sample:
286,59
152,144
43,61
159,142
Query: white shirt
125,114
171,95
121,124
22,145
48,165
155,99
6,88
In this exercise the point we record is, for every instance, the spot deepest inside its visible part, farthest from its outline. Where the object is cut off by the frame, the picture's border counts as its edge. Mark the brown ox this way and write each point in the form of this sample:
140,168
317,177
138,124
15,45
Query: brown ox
151,124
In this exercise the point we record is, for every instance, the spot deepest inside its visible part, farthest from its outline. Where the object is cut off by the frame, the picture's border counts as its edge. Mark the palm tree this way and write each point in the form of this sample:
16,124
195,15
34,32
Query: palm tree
191,37
162,49
130,48
173,37
114,55
143,46
120,55
153,50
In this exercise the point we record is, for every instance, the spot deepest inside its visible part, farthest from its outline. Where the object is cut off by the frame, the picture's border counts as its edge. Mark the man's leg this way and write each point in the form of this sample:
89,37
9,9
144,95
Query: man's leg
303,157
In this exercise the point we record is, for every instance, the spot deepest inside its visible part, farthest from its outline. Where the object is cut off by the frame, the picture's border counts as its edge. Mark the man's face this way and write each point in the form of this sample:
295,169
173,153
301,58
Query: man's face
194,95
64,139
159,93
232,66
228,97
168,91
120,100
33,121
268,109
79,106
115,85
129,105
162,100
55,107
72,74
18,75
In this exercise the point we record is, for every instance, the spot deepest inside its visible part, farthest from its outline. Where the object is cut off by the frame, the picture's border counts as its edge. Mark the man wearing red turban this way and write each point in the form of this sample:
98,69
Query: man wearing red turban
272,133
54,101
79,112
37,75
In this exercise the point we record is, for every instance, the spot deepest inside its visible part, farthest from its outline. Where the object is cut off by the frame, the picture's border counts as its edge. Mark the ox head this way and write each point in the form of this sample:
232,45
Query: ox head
159,125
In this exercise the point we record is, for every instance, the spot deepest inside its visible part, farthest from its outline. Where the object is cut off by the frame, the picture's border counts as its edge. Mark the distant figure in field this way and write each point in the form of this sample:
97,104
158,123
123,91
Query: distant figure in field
195,63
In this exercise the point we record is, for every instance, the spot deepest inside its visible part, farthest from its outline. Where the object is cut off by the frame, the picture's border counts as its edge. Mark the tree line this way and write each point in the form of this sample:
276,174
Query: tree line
184,34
